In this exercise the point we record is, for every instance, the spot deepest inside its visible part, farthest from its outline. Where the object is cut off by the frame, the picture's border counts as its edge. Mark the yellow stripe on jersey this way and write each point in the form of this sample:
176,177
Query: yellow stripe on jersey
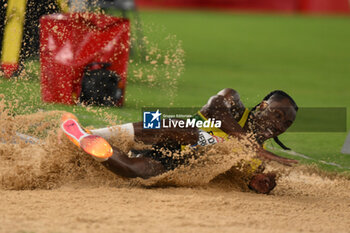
244,118
213,130
218,132
201,115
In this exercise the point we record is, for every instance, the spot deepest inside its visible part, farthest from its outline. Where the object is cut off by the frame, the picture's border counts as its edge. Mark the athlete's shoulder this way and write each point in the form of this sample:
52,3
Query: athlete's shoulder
230,97
227,98
228,92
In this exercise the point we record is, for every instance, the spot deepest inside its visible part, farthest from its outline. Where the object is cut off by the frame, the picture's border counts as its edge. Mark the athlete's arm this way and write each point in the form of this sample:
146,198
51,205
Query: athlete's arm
222,107
262,153
120,164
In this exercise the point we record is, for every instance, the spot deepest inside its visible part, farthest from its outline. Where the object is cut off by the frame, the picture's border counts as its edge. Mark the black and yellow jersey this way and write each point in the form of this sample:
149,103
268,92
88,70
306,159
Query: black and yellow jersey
212,135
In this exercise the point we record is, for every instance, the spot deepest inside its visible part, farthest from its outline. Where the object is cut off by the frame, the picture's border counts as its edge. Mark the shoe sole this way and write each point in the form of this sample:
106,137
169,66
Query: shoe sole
94,145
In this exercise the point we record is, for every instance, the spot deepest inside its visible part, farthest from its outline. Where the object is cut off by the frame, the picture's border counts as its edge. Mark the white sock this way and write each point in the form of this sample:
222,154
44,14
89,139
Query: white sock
125,130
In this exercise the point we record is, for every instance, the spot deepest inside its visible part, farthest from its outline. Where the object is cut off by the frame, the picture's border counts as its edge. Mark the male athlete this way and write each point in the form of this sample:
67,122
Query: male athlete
267,120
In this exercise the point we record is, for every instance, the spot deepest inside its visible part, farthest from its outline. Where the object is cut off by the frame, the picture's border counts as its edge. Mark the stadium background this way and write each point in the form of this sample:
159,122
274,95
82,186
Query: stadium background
285,6
253,51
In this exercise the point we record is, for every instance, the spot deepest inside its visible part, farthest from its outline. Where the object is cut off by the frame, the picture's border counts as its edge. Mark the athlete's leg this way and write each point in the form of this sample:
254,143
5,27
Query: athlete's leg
177,135
125,130
136,132
144,167
113,159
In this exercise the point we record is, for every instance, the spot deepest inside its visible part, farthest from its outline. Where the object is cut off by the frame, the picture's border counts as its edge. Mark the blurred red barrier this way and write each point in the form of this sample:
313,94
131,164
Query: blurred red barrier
290,6
68,42
253,5
169,3
325,6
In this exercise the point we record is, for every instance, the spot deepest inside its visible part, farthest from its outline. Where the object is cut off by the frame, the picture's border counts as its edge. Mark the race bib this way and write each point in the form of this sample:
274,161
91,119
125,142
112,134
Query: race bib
205,138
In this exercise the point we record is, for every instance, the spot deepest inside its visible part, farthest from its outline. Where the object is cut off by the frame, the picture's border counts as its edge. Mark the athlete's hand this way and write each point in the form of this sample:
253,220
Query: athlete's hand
270,156
263,183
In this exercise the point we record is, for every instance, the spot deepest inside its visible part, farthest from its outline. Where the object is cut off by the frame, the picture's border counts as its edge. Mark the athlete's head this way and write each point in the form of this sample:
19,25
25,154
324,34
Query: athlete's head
273,116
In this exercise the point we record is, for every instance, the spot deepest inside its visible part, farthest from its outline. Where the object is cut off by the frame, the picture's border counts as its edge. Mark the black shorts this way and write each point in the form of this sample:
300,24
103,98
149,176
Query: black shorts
167,155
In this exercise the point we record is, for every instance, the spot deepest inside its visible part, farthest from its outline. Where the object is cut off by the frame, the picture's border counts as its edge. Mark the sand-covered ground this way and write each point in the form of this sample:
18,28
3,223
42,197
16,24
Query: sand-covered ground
300,203
54,187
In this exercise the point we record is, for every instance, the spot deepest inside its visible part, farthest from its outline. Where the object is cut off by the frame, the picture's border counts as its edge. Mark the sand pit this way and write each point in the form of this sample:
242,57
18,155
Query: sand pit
53,187
299,204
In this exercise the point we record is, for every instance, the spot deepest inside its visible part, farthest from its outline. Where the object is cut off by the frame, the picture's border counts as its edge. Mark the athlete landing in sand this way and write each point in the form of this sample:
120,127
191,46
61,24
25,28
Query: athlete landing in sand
267,120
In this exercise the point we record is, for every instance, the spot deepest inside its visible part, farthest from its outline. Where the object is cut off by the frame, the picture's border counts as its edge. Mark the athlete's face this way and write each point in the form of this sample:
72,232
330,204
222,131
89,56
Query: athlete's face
272,118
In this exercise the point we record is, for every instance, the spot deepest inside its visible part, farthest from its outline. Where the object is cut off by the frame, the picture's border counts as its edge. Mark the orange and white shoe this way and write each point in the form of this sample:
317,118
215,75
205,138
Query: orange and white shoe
94,145
67,116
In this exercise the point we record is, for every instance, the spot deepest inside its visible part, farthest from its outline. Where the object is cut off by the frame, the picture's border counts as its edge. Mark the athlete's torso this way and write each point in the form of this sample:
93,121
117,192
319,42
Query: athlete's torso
213,135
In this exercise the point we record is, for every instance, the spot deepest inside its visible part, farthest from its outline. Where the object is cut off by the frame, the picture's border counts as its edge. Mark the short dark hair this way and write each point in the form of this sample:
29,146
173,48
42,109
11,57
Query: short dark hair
281,95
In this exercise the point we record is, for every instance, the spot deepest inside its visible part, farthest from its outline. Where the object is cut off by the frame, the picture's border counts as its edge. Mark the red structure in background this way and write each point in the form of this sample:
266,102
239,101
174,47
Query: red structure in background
69,42
325,6
284,6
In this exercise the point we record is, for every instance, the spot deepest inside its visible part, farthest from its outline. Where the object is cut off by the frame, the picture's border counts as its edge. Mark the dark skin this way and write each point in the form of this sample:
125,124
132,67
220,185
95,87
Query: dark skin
263,183
271,118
